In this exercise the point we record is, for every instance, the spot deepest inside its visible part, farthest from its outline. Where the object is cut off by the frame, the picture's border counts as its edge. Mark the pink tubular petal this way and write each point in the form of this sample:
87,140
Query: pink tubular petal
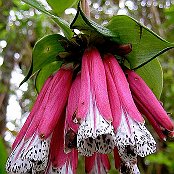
83,105
28,122
105,161
114,98
122,88
89,163
74,160
149,116
73,101
55,105
98,84
40,110
148,100
57,155
117,158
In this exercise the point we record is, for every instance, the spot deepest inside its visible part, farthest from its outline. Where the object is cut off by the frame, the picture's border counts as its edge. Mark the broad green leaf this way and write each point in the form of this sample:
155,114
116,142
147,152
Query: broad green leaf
45,72
45,51
62,23
153,75
60,6
3,156
146,45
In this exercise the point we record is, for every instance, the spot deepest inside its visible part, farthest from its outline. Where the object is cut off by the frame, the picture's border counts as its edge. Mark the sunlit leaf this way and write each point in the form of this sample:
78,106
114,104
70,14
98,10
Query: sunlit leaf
153,75
45,51
60,6
146,45
45,72
62,23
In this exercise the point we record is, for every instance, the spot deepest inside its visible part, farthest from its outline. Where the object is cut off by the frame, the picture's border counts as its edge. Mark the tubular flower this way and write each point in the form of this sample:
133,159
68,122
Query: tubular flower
60,162
132,137
95,133
31,147
71,128
97,163
149,105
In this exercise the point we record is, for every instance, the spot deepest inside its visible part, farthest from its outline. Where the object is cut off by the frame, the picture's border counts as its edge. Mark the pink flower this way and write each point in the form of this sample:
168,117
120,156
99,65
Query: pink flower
132,138
97,163
61,162
149,105
71,128
95,133
31,147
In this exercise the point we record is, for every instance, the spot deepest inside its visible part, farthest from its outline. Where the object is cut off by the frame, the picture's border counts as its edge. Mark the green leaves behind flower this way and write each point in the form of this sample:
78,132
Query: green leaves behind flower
45,52
146,45
45,72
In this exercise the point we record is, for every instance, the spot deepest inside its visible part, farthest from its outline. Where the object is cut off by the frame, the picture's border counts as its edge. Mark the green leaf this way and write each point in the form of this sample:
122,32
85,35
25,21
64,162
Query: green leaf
3,155
60,6
153,76
146,45
45,51
62,23
45,72
82,23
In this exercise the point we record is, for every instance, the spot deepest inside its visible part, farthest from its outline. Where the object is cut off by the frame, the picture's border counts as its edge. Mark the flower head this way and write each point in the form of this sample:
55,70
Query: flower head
31,147
59,161
132,138
95,133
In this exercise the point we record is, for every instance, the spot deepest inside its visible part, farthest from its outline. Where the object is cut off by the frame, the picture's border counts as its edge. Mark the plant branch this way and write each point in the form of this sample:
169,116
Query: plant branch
85,7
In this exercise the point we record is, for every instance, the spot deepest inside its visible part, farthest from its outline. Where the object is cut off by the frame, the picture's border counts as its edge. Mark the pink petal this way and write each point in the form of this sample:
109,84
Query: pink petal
122,88
105,161
83,105
34,110
74,160
97,163
98,84
117,158
73,101
149,116
57,155
114,98
89,163
148,99
56,104
42,105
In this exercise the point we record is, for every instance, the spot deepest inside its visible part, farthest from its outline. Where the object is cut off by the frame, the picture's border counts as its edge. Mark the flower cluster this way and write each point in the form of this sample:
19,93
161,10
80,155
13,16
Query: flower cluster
94,112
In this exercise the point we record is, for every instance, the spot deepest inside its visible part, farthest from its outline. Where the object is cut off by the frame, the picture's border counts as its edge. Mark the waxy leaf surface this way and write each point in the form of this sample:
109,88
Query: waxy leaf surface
60,6
146,45
45,51
45,72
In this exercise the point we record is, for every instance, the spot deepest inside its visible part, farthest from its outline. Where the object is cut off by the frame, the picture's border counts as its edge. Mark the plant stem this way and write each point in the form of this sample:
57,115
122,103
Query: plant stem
85,7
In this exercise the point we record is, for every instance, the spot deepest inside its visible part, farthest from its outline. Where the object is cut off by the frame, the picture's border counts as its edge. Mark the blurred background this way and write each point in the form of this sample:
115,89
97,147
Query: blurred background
21,26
